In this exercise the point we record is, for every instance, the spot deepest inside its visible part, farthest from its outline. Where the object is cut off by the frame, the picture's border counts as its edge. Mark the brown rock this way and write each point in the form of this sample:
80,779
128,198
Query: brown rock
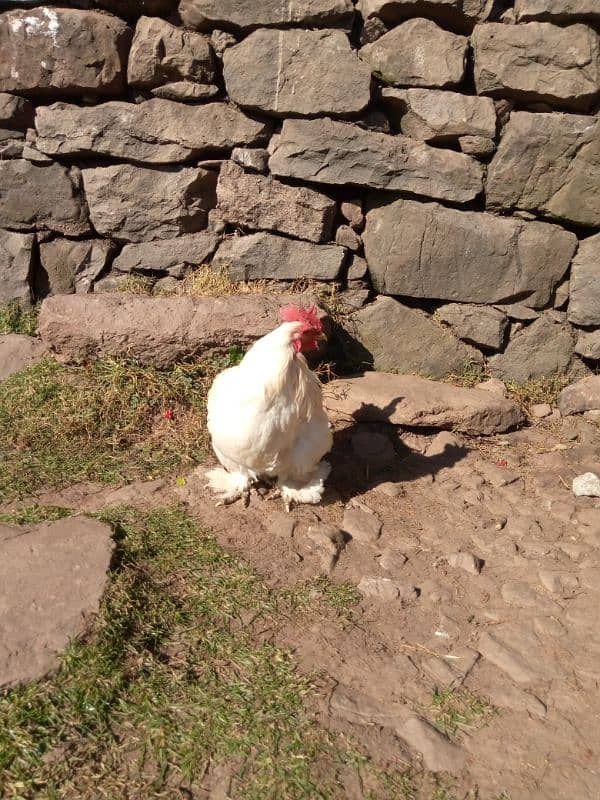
157,131
16,113
583,395
436,116
352,212
476,145
297,72
482,326
548,163
557,10
173,256
242,15
44,197
456,14
395,337
162,53
262,203
155,330
18,352
418,402
584,301
331,152
538,62
439,753
186,91
255,159
588,345
266,256
544,348
51,52
412,249
71,266
418,53
52,577
16,252
362,526
346,237
136,204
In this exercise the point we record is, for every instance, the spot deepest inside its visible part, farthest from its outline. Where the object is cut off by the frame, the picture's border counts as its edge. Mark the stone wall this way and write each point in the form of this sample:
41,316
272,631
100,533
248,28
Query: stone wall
439,159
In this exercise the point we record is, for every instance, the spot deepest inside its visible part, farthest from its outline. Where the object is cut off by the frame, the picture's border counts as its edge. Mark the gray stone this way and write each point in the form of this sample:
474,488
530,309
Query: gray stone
459,14
186,91
42,610
328,542
583,395
266,256
18,352
557,10
586,485
540,410
588,344
517,700
52,52
16,113
157,131
331,152
261,202
167,255
242,15
417,53
549,163
306,72
561,295
162,53
352,211
520,594
41,197
413,249
482,326
439,754
12,144
561,583
437,116
466,561
395,337
346,237
72,266
477,145
361,525
374,448
135,204
157,331
255,159
537,62
541,350
416,402
16,253
393,560
357,270
384,589
221,40
584,301
518,311
506,658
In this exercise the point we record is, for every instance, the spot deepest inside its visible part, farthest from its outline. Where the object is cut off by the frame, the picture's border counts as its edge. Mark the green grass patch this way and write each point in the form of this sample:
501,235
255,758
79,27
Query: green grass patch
31,515
455,711
14,319
169,683
110,421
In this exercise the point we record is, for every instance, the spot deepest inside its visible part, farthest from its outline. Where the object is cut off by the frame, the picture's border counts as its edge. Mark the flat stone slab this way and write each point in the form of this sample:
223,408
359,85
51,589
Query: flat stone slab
418,402
156,330
18,352
52,577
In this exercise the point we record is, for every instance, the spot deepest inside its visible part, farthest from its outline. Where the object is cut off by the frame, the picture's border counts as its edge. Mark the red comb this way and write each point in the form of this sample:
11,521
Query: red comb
310,316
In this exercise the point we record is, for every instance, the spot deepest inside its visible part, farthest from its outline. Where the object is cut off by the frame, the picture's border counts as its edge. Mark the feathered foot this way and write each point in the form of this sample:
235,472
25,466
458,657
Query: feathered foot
308,490
228,486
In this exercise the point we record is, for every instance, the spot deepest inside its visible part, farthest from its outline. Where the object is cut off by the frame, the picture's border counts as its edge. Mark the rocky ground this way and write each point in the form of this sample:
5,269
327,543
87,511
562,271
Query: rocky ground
464,650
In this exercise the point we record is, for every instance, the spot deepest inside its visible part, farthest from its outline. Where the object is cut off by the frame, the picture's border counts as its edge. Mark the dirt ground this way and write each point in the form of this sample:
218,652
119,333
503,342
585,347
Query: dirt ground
479,573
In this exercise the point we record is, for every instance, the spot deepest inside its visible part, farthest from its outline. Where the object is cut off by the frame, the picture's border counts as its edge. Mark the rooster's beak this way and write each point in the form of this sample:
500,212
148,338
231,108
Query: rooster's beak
321,337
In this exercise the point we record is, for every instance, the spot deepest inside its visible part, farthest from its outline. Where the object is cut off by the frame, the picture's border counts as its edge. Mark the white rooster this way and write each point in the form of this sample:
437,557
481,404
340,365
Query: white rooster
266,417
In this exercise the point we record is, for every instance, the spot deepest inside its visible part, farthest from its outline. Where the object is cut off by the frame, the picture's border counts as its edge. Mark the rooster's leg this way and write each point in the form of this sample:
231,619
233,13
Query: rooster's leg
229,486
307,490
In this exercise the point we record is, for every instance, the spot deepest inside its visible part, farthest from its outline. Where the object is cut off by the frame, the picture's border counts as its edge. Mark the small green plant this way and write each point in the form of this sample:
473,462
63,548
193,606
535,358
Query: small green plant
15,319
30,515
454,711
538,390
